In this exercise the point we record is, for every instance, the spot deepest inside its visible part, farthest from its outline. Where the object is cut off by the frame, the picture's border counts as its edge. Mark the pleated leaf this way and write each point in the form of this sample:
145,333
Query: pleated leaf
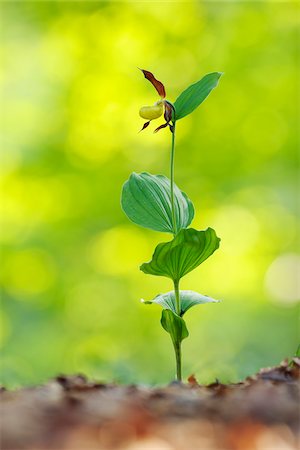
185,252
146,200
174,325
188,299
195,94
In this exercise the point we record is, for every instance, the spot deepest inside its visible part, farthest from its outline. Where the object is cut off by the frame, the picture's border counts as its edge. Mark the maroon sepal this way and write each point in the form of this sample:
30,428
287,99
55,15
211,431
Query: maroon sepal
144,126
157,84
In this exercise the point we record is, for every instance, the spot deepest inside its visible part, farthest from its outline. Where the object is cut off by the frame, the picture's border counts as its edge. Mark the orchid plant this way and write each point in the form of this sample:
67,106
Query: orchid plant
155,202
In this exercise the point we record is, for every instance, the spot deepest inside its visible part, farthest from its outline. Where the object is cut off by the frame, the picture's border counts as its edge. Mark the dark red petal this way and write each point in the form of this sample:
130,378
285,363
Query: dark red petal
164,125
145,125
157,84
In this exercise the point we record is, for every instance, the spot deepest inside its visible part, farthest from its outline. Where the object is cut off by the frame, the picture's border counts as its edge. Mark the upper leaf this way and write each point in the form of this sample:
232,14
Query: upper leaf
185,252
146,200
195,94
174,325
187,300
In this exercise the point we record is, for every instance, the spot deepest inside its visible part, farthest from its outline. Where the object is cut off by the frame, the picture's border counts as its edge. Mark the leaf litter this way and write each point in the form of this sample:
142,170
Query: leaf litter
74,413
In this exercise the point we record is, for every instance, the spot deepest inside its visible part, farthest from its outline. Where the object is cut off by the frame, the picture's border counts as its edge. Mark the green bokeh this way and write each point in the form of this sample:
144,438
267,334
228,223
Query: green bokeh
71,93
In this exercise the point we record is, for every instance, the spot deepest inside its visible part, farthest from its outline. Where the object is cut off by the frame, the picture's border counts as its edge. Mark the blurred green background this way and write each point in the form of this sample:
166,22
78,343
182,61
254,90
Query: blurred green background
71,93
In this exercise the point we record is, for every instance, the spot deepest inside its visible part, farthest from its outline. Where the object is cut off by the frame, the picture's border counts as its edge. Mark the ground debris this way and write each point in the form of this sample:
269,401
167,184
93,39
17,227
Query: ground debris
74,413
287,371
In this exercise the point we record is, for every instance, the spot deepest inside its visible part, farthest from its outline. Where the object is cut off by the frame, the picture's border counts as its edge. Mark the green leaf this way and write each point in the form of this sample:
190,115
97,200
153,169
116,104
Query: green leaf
184,253
146,200
174,325
195,94
187,300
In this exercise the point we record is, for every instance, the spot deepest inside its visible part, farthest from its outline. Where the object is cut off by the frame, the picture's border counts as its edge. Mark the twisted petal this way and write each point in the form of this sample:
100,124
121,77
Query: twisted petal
145,125
164,125
169,111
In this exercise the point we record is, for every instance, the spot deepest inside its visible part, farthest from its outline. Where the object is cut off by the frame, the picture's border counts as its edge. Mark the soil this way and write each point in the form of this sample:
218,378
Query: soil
73,413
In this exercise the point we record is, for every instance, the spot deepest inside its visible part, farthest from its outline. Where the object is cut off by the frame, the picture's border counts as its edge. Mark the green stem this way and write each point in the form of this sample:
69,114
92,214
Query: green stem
172,180
177,345
177,298
177,348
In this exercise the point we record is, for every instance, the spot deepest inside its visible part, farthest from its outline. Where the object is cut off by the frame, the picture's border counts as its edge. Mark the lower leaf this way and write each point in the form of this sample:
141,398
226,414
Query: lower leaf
174,325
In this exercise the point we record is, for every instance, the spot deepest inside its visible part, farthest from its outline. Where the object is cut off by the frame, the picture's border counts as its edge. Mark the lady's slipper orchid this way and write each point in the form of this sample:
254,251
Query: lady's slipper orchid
155,202
159,108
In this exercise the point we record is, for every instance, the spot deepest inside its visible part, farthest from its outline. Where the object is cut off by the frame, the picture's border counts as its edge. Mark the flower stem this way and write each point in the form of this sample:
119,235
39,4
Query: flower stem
176,344
172,180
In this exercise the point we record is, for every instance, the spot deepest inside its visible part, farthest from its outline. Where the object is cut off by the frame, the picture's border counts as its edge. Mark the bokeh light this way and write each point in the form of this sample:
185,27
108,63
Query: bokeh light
283,279
70,275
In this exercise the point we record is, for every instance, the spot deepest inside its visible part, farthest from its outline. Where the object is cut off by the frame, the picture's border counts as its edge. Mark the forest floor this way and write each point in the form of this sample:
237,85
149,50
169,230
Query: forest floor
70,412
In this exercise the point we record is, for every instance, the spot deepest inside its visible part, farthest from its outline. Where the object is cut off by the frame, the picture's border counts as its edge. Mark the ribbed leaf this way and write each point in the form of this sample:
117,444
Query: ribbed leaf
195,94
174,325
146,200
187,300
184,253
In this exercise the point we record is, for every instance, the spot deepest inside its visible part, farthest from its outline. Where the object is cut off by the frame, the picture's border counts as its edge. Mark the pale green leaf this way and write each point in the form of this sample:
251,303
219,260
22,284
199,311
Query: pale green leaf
188,299
185,252
195,94
146,200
